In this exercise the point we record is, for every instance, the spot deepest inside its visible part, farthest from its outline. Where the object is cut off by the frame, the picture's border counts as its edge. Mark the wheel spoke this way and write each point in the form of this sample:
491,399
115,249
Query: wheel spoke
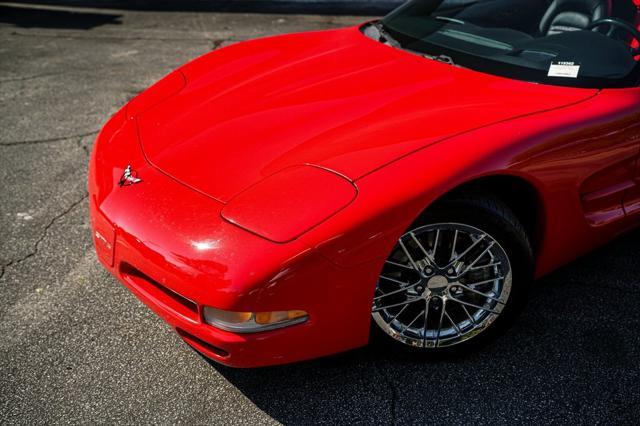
471,247
391,293
472,264
480,293
426,317
490,265
444,307
393,280
435,246
483,282
399,313
473,321
406,252
400,265
421,247
412,322
453,245
406,302
473,305
453,323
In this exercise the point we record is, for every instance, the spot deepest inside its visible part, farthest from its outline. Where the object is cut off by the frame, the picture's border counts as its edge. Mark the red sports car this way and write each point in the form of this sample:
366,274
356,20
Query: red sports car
287,198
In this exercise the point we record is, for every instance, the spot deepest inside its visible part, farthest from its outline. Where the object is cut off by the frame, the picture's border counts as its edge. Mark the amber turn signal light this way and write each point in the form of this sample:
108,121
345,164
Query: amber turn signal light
252,322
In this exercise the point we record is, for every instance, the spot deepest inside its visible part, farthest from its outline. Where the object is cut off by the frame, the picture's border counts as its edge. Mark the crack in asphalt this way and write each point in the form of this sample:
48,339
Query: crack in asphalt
29,77
394,392
82,146
49,140
36,246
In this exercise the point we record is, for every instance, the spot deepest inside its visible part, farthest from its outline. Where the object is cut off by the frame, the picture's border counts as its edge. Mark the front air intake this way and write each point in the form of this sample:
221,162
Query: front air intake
159,293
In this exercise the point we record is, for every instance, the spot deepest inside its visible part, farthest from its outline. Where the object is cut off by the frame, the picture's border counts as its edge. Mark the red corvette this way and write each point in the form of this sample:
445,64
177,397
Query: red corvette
287,198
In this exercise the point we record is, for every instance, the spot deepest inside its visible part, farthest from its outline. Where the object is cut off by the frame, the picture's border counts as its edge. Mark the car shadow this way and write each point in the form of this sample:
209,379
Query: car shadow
575,351
33,17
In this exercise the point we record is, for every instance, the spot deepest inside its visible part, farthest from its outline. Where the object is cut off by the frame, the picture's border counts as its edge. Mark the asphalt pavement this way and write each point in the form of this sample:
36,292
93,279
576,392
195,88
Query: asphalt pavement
76,347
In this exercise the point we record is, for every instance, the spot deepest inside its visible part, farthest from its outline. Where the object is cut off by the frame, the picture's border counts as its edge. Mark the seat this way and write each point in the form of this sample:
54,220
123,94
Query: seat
572,15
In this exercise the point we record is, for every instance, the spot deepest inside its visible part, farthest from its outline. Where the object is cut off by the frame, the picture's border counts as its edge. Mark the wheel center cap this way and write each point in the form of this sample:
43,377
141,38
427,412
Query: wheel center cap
438,282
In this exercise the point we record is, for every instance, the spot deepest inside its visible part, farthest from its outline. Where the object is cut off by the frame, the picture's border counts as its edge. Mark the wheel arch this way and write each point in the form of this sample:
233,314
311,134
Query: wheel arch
518,193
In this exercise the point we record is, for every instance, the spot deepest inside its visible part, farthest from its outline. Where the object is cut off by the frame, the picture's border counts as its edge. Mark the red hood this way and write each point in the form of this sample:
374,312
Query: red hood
335,99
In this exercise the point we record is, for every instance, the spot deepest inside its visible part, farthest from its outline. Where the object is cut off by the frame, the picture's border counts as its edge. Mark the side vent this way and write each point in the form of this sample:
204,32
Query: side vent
603,193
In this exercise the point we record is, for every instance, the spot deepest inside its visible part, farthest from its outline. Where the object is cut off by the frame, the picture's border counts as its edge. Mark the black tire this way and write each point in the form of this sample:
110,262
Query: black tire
491,215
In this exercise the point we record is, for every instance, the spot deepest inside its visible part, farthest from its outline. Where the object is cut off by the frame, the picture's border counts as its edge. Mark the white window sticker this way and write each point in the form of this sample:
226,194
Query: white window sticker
564,69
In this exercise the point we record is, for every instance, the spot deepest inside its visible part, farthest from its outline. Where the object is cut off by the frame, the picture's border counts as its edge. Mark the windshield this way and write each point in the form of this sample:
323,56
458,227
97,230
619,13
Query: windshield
578,43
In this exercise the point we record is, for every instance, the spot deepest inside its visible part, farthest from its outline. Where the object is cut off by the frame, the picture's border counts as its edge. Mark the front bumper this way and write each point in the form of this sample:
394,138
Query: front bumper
169,245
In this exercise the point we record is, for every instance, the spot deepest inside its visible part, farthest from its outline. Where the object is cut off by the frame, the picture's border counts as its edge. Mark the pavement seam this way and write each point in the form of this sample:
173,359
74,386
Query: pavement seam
29,77
36,246
50,140
109,37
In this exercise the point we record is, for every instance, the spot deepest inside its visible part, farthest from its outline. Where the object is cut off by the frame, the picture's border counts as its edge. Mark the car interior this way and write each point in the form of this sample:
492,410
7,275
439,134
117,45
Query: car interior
535,19
602,37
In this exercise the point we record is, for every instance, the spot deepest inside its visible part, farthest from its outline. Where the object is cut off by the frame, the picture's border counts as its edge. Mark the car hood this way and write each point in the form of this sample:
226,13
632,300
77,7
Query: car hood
334,99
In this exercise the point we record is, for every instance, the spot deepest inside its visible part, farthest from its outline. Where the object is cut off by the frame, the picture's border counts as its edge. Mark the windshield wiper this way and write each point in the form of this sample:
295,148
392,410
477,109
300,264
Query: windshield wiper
385,37
441,58
453,21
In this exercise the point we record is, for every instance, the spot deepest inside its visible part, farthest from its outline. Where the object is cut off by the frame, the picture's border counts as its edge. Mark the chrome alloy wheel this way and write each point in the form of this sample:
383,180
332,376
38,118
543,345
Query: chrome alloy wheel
442,285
